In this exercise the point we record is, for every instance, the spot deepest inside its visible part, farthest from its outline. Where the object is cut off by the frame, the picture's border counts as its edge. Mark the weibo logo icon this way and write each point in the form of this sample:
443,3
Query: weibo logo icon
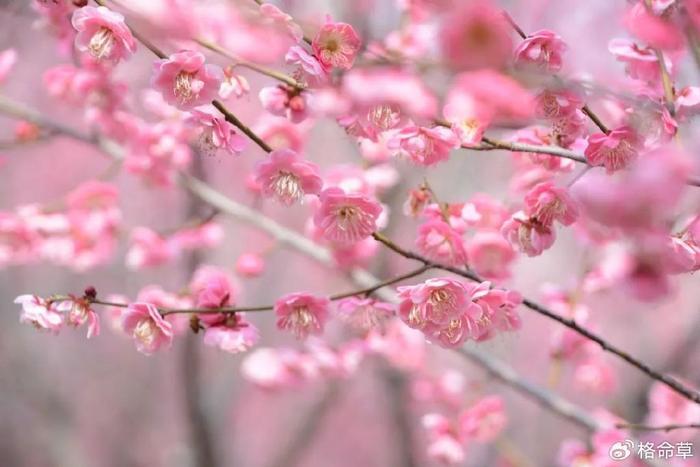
621,450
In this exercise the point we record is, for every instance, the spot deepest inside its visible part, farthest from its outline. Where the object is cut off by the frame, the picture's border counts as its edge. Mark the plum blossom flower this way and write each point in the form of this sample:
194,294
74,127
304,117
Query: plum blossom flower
554,104
424,146
215,132
103,33
146,326
233,84
40,313
527,235
543,49
490,255
185,81
302,314
652,29
642,63
547,203
77,312
346,217
440,242
285,176
336,45
147,249
483,421
614,150
285,101
212,287
364,314
309,68
435,302
475,35
250,265
230,332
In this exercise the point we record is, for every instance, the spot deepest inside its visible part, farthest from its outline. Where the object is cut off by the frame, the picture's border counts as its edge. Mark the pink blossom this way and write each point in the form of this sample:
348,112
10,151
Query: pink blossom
284,101
346,217
285,176
490,255
484,96
388,88
103,33
433,305
595,375
215,132
554,104
526,235
482,211
250,265
233,84
475,35
146,326
280,18
666,407
302,314
543,49
147,249
540,136
40,313
364,314
206,235
425,146
641,62
309,67
212,287
336,45
77,312
439,242
231,333
652,29
280,133
185,81
483,421
272,368
547,203
643,198
688,101
157,152
614,150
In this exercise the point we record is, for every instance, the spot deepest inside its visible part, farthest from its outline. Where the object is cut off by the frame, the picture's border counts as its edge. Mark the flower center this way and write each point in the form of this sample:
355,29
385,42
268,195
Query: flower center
183,87
145,331
287,187
101,44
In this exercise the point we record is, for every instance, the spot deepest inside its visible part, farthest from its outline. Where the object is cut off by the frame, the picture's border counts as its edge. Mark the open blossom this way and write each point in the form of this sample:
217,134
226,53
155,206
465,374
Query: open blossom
146,326
364,314
77,312
216,133
147,249
554,104
440,242
527,235
285,101
543,48
425,146
250,265
547,203
654,30
103,34
40,313
287,177
490,255
346,217
475,35
336,45
302,314
641,62
614,150
483,421
185,81
435,303
230,332
212,287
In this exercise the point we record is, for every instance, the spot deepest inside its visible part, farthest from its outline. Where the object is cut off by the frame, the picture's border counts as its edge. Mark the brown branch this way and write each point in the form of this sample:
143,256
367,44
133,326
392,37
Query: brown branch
669,381
666,428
